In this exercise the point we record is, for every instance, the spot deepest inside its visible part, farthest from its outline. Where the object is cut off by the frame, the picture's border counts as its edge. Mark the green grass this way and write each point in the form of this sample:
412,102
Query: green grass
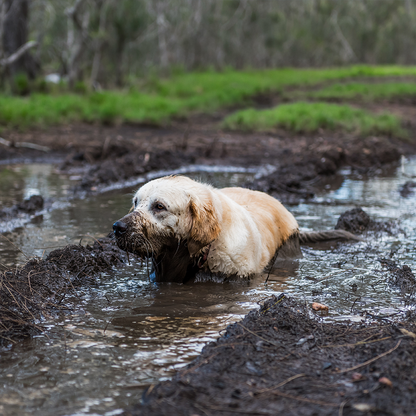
107,108
303,117
159,100
205,91
364,92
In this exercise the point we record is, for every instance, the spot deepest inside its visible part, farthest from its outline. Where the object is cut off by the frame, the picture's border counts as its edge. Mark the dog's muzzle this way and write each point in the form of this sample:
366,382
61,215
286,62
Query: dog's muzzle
119,228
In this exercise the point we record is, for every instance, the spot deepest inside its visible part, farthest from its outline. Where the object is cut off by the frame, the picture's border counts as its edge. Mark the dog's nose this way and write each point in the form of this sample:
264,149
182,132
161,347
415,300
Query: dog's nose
119,228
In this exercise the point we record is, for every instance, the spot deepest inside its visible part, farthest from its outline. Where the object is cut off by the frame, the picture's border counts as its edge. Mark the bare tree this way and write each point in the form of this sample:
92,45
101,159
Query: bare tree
78,22
100,39
349,55
112,41
14,55
162,32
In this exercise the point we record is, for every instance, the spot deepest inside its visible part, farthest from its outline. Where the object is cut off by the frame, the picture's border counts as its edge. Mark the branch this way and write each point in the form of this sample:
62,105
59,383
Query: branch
372,360
21,51
71,11
24,144
348,49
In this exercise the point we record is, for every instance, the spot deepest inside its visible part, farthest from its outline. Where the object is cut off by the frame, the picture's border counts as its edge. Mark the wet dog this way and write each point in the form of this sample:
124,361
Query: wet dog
185,227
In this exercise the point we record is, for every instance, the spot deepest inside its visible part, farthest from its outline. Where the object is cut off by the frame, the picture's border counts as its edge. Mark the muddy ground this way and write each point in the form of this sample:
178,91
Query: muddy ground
106,154
283,359
44,288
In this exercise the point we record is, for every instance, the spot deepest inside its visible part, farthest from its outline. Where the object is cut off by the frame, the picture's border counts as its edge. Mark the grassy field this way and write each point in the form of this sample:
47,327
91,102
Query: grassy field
303,117
157,101
369,93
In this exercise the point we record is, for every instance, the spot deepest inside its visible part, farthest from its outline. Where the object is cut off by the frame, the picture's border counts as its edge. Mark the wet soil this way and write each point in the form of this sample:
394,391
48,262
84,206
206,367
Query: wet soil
43,287
284,359
357,221
28,206
103,154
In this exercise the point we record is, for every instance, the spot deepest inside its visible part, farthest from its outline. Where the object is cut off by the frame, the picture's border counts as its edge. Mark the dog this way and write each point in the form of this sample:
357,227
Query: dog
186,227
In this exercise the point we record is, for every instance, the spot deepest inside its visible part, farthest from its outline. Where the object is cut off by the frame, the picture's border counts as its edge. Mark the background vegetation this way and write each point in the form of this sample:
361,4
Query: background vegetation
107,43
303,117
157,100
117,61
374,92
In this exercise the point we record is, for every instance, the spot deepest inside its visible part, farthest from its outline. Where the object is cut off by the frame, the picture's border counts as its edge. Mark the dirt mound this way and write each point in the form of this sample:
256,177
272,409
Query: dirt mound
294,179
281,360
371,152
28,206
39,288
87,261
133,164
357,221
300,171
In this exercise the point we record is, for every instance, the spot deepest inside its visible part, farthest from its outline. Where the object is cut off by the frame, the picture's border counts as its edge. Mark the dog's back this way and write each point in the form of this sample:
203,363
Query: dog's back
275,223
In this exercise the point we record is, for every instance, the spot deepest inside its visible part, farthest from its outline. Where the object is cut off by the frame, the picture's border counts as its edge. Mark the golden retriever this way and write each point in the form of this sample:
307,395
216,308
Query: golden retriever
185,227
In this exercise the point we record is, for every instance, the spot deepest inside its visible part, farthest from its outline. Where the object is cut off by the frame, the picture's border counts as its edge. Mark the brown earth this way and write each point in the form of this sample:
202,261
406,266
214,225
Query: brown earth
44,287
357,221
284,360
105,154
28,206
278,360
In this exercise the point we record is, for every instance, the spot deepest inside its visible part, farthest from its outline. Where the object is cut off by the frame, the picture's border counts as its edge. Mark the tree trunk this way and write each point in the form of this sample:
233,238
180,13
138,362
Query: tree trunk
15,33
77,36
99,43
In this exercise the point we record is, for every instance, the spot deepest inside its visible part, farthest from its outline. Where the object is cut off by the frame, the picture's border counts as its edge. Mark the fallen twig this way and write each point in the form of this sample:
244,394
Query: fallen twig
341,408
264,339
24,144
370,361
282,383
356,344
279,299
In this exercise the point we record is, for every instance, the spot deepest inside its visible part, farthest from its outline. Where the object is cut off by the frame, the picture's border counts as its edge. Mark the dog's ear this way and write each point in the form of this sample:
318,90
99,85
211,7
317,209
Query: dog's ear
205,226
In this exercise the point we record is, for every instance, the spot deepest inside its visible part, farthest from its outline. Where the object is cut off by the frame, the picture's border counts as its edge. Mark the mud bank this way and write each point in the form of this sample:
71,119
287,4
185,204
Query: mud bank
43,287
284,359
101,155
302,164
300,174
27,207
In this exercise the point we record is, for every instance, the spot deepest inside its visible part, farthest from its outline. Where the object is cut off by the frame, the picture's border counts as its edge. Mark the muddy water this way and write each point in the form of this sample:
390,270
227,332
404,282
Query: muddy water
128,333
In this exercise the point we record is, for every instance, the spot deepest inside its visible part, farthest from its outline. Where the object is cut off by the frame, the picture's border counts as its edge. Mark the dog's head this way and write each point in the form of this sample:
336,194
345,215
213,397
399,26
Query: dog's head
166,212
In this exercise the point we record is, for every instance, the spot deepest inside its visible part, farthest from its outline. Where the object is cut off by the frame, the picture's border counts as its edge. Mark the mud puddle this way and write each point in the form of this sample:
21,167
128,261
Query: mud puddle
129,333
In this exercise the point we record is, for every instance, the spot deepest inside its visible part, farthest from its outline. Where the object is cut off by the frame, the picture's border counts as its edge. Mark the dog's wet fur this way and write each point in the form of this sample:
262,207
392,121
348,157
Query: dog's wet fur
182,228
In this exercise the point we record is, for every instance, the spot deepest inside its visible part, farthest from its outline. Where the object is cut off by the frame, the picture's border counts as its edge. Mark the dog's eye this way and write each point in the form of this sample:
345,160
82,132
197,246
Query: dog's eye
159,207
135,202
